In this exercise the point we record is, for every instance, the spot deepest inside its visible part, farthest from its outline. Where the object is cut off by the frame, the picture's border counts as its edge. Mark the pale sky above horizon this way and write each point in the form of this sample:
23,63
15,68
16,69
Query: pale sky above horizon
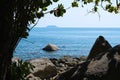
79,17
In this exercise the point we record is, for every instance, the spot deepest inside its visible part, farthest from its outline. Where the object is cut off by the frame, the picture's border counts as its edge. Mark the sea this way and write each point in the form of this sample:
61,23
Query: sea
71,41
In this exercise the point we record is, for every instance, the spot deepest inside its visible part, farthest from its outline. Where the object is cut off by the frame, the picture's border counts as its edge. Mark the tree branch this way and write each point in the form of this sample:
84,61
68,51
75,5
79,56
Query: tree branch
102,6
34,25
92,11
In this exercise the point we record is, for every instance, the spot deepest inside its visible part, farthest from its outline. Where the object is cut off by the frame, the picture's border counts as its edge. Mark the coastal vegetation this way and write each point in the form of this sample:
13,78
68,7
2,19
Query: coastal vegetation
20,70
17,16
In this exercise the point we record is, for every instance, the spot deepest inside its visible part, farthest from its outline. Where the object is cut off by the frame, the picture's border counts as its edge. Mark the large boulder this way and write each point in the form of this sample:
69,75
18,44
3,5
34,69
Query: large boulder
100,45
51,47
103,63
44,68
105,66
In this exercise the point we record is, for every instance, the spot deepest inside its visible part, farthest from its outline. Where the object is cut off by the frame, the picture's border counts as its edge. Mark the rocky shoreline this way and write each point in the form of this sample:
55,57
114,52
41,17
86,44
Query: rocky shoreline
102,63
50,68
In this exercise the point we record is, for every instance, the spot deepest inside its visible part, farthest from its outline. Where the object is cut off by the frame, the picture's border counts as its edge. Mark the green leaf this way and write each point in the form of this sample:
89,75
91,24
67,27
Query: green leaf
85,2
89,1
59,11
44,3
97,2
55,0
40,14
44,9
74,4
108,1
115,10
108,6
111,9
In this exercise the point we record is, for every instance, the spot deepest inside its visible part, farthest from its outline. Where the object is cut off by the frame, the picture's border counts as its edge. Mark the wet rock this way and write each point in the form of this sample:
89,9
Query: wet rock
51,47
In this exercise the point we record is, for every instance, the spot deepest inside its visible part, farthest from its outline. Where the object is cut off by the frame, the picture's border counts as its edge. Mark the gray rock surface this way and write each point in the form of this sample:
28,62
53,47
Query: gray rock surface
106,66
100,45
51,47
100,66
44,68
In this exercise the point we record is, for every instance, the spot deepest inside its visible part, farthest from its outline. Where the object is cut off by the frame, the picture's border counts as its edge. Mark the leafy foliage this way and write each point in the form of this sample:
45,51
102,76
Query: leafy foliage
20,70
107,5
55,0
40,14
59,11
74,4
26,12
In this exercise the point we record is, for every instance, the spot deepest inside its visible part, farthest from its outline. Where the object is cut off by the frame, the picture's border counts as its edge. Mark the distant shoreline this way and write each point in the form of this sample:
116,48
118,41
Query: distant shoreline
51,26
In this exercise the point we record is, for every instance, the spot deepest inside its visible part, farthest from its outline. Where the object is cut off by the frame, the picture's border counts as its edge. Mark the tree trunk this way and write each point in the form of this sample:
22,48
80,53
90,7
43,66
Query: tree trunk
6,39
7,47
13,26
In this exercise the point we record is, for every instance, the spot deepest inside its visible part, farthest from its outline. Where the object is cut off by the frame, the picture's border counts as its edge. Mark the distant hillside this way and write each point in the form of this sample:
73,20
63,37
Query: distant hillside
51,26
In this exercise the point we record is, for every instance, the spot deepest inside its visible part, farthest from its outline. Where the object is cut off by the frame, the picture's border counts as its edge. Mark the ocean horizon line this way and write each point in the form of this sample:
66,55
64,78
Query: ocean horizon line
75,27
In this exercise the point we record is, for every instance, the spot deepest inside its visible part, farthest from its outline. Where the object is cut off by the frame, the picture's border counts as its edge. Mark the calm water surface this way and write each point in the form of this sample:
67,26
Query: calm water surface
71,41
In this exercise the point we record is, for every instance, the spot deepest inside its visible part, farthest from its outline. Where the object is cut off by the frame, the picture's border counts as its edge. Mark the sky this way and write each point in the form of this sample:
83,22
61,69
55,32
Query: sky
79,17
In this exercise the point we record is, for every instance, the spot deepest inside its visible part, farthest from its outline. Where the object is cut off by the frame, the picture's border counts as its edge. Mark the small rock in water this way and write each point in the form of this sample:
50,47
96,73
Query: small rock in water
51,47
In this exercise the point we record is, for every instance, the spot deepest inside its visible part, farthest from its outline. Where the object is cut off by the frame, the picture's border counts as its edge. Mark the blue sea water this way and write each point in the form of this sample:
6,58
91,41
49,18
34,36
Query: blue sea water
71,41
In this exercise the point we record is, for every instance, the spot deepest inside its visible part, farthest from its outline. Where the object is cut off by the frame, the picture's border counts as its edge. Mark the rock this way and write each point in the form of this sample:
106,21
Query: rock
100,45
103,63
32,77
67,59
83,58
54,61
104,66
98,67
51,47
35,78
44,68
67,75
66,62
